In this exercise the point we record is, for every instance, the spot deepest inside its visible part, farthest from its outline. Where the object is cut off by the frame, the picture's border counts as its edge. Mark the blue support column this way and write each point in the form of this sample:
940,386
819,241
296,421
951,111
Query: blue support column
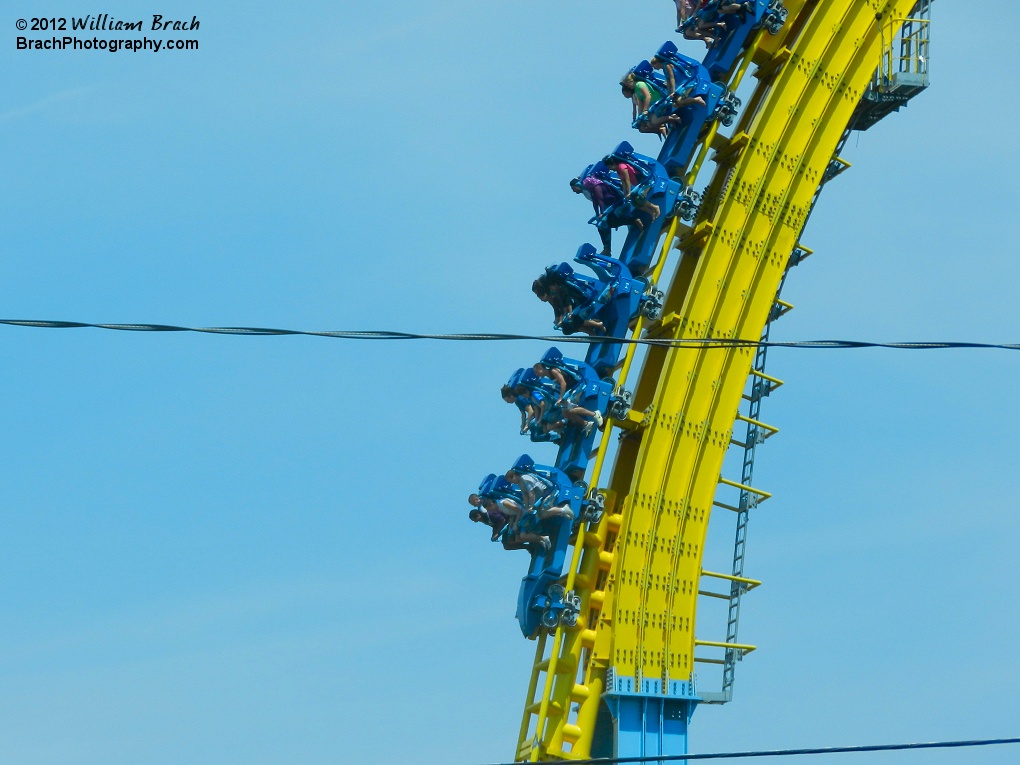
640,720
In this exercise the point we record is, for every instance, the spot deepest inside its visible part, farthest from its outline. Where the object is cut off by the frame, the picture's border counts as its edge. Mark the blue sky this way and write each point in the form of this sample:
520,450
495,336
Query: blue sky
220,550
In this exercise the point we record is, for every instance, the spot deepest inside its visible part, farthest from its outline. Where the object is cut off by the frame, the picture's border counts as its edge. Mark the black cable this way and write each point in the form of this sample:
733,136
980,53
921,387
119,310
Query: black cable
490,337
791,752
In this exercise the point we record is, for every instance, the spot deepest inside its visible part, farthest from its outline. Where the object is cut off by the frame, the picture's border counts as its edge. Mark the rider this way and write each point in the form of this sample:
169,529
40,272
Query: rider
684,10
642,96
552,288
523,403
505,515
540,495
703,29
572,412
629,179
495,520
602,196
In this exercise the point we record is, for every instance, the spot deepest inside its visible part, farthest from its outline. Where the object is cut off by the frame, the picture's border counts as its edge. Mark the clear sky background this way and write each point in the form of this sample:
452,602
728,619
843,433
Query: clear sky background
255,550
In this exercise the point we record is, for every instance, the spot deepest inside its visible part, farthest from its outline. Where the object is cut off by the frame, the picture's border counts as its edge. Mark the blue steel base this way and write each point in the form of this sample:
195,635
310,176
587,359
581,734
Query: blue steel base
635,724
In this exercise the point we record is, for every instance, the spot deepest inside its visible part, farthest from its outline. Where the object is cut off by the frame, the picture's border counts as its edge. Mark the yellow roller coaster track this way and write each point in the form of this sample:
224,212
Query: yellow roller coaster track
639,572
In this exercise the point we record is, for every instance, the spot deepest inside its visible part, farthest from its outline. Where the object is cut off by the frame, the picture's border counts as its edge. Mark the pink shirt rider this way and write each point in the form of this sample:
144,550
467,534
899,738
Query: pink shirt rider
624,169
685,8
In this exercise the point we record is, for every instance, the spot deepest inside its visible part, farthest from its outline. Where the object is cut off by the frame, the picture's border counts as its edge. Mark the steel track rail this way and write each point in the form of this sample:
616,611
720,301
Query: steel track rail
639,571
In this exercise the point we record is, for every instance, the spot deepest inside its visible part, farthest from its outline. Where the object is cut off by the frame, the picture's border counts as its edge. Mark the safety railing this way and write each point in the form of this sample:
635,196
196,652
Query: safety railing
905,50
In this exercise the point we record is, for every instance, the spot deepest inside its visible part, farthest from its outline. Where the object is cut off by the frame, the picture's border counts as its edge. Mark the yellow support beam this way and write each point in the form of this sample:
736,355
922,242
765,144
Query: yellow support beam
634,420
718,595
724,506
751,583
767,70
771,429
743,487
783,309
729,646
807,252
776,382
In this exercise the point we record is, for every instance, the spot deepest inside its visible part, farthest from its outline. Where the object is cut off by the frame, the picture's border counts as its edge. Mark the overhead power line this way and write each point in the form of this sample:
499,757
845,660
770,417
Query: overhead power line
792,752
719,342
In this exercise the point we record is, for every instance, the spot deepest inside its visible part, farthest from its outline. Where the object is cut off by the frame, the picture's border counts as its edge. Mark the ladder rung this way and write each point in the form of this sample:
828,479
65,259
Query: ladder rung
555,709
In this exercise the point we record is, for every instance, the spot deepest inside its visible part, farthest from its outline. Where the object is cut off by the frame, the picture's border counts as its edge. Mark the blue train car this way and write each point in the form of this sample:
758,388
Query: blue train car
611,300
616,299
589,391
583,388
692,80
770,14
541,600
496,487
655,186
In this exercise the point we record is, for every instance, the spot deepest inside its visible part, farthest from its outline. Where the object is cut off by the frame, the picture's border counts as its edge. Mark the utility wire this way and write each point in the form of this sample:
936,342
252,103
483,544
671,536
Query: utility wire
790,752
719,342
